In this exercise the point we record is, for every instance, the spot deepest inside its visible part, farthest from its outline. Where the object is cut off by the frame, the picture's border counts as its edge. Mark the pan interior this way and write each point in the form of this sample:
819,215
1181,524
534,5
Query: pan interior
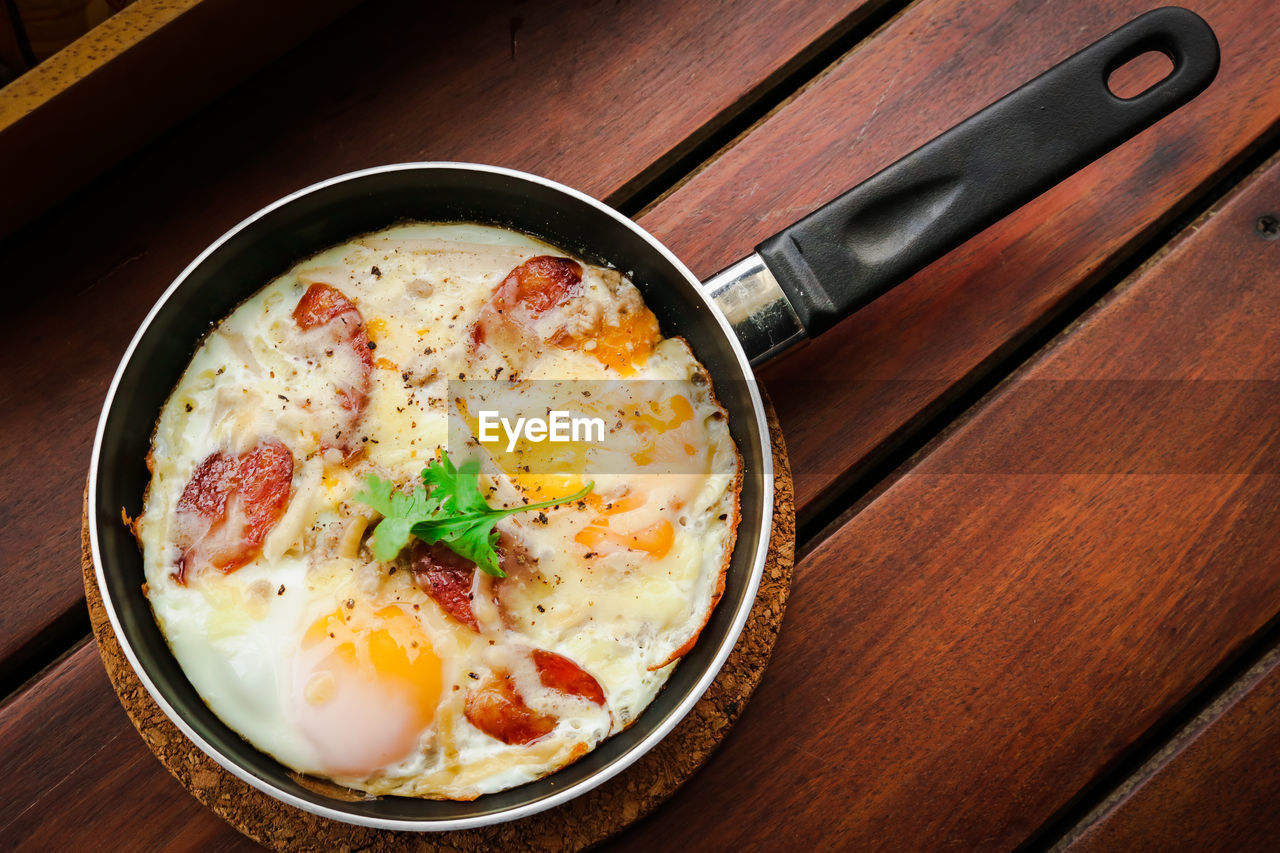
268,245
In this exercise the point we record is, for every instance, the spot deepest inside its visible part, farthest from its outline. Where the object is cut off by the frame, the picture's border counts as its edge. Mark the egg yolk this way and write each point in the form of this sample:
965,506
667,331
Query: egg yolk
624,346
668,436
655,539
627,346
367,687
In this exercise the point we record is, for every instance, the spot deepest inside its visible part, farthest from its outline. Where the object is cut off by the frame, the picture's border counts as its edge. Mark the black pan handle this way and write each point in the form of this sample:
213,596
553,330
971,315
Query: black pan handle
881,232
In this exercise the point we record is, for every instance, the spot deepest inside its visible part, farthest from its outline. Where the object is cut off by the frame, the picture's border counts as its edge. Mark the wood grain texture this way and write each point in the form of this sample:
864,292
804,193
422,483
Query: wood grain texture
595,94
78,775
899,360
926,650
1215,791
101,97
989,633
57,700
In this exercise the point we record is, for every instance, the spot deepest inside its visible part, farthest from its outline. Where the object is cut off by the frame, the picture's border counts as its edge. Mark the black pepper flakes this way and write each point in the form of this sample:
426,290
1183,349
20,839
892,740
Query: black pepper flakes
280,591
377,273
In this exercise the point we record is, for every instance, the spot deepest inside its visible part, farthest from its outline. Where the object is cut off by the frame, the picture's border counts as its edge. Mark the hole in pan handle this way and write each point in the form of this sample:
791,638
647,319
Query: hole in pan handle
882,231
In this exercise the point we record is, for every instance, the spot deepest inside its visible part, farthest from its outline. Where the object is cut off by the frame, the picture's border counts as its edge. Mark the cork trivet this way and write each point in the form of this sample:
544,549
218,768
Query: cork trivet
575,825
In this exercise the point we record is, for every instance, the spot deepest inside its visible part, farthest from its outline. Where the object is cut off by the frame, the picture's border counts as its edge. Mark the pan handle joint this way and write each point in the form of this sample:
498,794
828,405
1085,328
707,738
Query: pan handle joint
756,307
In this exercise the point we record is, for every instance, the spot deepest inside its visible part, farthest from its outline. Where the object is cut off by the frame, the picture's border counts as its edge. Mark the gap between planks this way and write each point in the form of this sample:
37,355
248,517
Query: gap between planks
1220,695
755,109
865,485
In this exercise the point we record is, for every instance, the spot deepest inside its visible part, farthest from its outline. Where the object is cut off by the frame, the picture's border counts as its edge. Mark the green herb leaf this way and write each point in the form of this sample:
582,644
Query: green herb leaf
449,508
399,510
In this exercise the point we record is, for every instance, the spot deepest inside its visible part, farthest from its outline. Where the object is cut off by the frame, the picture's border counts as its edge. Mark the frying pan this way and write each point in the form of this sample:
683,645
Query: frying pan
796,284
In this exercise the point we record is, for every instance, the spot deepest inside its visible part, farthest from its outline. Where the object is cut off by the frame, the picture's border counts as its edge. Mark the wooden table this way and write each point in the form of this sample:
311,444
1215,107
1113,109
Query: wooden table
1038,594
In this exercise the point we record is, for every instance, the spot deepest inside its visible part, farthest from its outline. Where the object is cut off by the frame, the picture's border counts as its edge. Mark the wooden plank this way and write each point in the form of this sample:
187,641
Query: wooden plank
1048,581
556,92
128,79
77,773
1216,789
884,371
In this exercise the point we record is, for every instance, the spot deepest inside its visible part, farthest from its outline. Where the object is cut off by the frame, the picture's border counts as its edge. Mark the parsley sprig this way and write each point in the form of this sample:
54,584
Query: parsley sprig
448,508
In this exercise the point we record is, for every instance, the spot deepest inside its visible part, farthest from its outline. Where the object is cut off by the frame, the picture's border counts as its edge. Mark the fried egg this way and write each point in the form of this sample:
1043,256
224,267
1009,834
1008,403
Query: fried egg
423,676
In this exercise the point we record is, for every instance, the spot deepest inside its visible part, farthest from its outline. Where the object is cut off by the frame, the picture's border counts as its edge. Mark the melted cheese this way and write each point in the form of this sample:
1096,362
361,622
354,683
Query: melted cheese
617,584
